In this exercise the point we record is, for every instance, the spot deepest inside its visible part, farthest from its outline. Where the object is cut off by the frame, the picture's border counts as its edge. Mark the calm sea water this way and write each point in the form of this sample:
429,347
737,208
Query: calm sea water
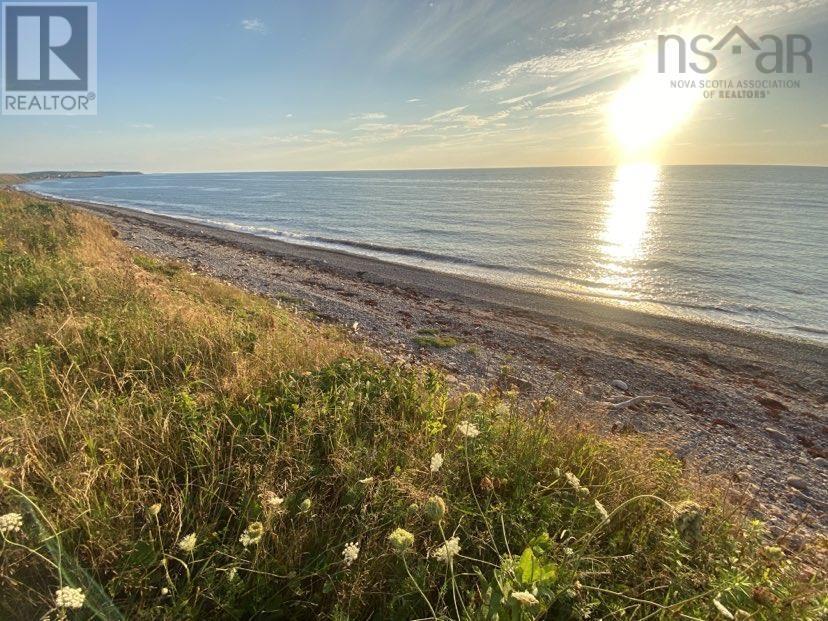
742,245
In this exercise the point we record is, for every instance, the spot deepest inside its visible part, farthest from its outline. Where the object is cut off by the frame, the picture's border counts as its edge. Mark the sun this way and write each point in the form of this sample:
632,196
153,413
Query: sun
647,109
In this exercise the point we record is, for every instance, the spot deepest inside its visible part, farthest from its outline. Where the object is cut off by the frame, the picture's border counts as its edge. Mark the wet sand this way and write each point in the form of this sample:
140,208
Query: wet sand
748,407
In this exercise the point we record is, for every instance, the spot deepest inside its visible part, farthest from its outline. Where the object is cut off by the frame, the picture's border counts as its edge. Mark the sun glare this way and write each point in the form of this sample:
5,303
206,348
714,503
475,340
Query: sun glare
628,213
647,109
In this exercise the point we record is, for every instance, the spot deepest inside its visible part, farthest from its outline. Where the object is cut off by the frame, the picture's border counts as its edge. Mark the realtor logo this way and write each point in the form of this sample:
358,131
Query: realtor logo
49,59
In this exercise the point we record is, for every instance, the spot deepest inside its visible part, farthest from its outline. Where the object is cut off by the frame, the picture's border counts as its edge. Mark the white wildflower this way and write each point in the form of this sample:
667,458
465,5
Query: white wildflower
468,429
305,505
350,553
232,574
10,523
271,501
435,509
154,510
524,598
501,409
69,597
164,591
575,483
448,550
366,480
401,540
722,610
188,543
436,462
252,534
601,509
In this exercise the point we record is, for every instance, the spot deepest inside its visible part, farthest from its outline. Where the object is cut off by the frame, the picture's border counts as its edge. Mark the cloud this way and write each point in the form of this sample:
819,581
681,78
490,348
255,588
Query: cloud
323,132
446,115
520,98
582,104
254,25
369,116
142,126
413,100
454,118
289,115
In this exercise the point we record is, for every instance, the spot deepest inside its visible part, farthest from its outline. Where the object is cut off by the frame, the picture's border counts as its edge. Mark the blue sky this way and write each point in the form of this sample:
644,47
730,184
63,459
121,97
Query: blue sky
277,85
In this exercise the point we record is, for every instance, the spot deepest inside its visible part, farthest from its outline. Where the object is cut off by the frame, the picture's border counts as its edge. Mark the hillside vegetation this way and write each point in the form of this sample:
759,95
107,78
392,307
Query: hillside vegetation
174,448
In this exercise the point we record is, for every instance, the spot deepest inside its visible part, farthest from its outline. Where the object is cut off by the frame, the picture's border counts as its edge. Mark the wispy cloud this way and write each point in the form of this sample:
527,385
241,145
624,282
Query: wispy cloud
590,103
369,116
445,115
142,125
254,25
413,100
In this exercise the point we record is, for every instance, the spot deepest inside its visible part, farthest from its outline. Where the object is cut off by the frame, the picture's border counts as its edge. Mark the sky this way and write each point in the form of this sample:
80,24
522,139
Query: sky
383,84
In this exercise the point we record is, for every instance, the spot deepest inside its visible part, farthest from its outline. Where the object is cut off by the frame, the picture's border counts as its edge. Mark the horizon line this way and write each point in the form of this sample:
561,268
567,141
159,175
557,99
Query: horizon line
360,170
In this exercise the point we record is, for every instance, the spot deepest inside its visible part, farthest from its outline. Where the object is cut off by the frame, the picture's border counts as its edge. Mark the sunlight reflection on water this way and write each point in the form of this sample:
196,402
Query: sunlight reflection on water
627,222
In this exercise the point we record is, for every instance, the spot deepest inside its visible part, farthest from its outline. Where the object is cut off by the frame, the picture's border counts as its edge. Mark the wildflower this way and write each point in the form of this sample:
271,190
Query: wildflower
689,519
350,553
575,483
601,509
366,480
69,597
524,598
722,610
435,508
252,534
468,429
774,553
154,510
305,505
486,485
501,409
271,501
472,399
436,462
188,543
232,574
401,540
164,591
448,550
10,523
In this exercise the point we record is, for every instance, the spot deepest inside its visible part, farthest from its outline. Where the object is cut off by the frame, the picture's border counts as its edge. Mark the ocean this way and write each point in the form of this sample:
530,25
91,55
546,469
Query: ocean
745,246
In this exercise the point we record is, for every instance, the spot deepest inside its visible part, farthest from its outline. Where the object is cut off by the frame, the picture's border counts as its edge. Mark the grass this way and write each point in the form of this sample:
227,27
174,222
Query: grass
432,337
8,179
141,404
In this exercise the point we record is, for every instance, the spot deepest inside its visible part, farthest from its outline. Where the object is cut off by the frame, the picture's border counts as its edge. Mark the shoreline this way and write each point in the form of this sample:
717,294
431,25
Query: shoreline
746,406
474,288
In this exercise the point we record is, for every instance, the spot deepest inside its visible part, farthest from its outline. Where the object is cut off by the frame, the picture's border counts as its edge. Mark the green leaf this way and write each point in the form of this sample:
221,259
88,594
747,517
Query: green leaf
532,570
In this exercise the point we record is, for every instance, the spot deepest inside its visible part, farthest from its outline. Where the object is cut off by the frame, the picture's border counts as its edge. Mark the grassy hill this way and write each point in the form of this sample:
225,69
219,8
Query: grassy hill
175,448
9,179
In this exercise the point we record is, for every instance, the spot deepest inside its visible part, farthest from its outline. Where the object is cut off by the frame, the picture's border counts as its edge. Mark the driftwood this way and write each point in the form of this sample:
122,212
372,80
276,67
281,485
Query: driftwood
636,400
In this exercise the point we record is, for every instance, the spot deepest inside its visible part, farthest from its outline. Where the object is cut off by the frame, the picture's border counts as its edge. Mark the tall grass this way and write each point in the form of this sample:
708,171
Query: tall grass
153,422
